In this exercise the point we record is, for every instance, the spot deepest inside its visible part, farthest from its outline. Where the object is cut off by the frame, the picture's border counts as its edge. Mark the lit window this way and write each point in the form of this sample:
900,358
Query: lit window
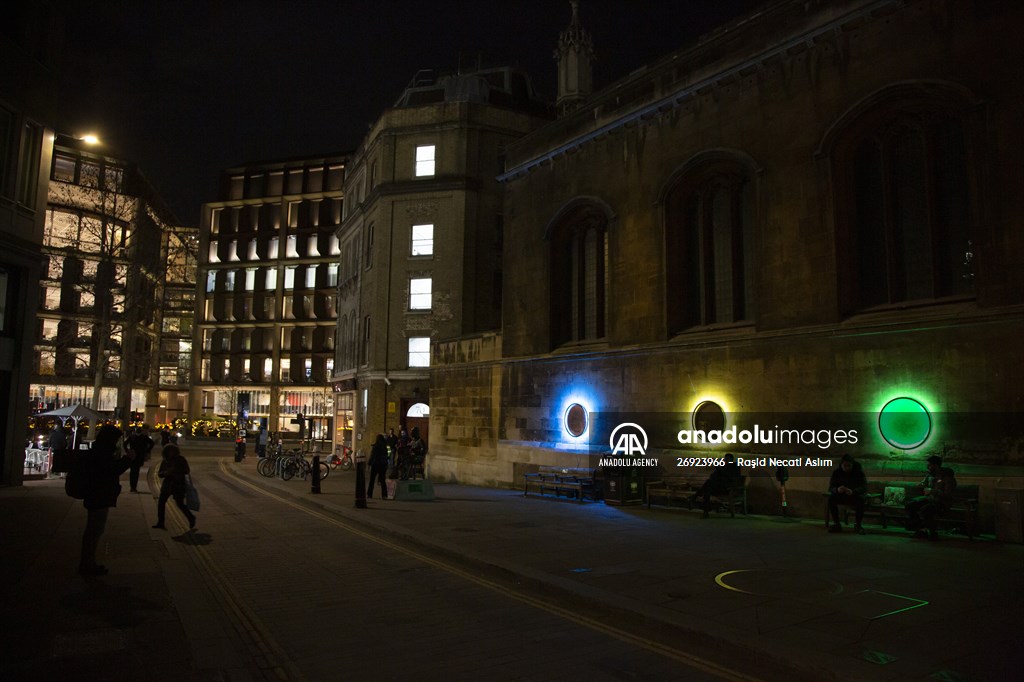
214,258
332,275
211,281
271,279
272,250
289,278
311,247
63,168
252,255
422,240
310,276
286,371
419,351
424,160
250,279
229,280
334,249
233,251
291,250
419,293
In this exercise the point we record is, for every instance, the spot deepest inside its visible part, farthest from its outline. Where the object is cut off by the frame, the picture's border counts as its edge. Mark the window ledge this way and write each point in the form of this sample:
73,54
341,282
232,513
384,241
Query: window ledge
937,307
582,346
744,328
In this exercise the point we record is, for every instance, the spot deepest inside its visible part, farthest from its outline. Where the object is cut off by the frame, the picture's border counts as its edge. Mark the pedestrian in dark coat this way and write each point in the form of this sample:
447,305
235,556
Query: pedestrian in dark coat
379,466
173,470
60,444
102,468
141,444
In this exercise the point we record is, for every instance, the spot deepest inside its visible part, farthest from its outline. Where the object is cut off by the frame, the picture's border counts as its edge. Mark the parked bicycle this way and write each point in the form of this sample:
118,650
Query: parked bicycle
344,460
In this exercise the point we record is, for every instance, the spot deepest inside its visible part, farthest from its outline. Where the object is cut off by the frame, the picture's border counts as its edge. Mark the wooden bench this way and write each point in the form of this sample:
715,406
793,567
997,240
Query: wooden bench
671,490
961,514
575,483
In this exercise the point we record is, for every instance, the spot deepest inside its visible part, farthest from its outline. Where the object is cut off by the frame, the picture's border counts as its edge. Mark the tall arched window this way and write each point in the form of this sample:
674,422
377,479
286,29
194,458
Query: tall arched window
709,223
579,275
903,204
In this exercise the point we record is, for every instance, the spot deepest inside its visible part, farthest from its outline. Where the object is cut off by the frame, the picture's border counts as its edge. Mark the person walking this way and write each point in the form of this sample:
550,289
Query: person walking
379,466
173,470
100,467
141,444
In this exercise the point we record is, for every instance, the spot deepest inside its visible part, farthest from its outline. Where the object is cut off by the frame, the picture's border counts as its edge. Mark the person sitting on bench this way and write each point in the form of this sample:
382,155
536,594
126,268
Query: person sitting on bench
722,478
847,486
937,488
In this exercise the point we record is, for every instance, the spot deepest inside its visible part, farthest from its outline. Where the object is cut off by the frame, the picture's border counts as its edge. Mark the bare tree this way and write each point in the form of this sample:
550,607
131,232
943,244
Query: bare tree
110,246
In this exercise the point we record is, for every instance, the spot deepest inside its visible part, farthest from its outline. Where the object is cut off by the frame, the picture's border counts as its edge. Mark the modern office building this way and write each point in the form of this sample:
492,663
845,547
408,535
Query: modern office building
812,213
28,105
266,297
107,240
422,240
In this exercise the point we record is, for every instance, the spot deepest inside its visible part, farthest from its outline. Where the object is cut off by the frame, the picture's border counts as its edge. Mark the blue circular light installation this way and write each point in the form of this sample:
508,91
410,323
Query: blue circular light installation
576,420
904,423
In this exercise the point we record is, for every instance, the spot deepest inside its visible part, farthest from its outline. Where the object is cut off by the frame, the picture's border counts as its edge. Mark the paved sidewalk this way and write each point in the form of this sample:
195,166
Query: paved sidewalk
847,607
153,618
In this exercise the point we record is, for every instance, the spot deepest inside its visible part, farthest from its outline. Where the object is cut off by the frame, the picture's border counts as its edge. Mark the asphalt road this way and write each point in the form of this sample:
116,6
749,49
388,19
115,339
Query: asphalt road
320,598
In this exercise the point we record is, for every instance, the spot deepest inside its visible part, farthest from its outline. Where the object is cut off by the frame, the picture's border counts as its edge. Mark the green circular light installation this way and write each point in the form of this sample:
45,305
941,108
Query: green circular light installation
904,423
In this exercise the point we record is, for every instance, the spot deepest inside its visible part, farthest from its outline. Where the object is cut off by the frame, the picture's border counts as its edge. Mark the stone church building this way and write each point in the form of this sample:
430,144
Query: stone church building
803,220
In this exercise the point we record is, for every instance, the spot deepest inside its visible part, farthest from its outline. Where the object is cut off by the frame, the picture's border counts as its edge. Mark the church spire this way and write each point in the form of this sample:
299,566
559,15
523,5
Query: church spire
574,55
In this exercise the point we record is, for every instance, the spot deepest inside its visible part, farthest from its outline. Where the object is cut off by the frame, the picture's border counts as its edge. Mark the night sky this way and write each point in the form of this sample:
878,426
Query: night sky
189,88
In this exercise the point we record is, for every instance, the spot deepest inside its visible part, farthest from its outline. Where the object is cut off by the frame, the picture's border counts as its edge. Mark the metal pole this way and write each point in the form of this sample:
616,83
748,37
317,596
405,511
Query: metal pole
360,480
316,475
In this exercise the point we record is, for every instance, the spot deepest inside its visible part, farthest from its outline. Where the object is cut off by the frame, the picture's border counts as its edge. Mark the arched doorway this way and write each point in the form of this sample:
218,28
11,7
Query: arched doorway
417,415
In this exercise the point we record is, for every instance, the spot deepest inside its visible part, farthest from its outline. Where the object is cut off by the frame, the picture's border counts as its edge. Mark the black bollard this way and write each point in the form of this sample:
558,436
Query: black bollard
316,475
360,483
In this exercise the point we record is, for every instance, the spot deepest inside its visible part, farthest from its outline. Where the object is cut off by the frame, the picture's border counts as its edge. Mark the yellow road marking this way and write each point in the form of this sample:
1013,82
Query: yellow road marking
622,635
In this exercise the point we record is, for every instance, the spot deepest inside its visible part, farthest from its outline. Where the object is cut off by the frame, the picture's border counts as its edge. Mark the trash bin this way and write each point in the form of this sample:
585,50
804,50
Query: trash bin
623,485
1009,516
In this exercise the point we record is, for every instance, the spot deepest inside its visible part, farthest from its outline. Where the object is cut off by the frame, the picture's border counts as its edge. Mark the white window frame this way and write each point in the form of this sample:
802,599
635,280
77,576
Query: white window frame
421,293
419,351
426,155
422,237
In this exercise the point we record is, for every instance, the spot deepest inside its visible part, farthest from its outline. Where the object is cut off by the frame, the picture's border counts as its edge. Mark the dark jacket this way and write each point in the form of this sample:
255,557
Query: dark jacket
724,477
102,469
379,456
854,479
141,445
941,485
174,470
